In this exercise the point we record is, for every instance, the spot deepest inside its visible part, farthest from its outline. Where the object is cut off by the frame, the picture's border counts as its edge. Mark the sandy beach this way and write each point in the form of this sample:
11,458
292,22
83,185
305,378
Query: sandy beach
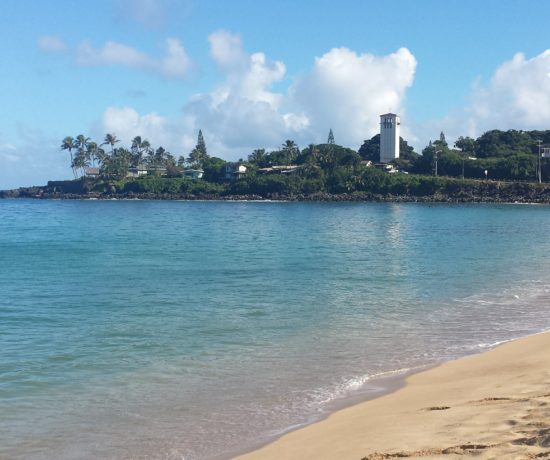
495,405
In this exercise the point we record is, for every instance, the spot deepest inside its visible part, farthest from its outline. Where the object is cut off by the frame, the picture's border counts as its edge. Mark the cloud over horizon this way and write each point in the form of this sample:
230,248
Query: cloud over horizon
518,95
344,90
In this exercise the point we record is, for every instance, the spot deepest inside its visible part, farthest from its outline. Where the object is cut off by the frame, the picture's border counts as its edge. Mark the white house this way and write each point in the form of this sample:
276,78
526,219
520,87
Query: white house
193,173
234,171
137,171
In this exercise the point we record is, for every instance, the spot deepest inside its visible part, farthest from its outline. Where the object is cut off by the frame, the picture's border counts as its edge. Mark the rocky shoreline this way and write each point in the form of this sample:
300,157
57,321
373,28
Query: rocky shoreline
489,192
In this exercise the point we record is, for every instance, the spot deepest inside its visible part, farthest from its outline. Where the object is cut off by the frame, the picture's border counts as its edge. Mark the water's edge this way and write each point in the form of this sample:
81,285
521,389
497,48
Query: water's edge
385,385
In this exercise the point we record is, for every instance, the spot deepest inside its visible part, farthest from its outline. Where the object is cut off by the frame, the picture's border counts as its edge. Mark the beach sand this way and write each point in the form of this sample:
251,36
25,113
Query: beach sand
494,405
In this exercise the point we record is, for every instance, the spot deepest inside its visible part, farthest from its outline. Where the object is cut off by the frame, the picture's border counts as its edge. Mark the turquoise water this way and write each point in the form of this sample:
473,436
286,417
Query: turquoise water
143,329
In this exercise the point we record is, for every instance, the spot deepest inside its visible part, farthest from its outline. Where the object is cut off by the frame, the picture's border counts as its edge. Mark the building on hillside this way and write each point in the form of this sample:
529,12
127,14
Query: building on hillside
137,171
193,173
91,172
389,137
285,169
233,171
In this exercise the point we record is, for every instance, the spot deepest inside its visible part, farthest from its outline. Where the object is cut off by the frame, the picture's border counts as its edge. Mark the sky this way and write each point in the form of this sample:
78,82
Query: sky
252,74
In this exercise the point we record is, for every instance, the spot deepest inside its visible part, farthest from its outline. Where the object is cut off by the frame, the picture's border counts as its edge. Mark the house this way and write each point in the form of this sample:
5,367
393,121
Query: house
193,173
91,172
233,171
386,167
137,171
279,169
157,170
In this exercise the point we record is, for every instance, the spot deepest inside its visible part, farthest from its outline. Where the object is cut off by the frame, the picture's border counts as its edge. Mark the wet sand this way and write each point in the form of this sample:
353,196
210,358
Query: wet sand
495,405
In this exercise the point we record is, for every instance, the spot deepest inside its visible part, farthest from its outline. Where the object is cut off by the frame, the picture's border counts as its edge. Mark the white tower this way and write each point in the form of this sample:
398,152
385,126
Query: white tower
389,137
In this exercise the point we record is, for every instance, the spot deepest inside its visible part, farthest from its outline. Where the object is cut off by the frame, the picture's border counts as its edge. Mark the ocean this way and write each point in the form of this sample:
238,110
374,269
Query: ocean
197,330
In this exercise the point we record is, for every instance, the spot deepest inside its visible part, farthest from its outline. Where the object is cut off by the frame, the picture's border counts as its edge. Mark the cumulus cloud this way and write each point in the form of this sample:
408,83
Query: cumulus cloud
51,44
348,91
175,64
518,95
344,90
227,50
127,123
242,111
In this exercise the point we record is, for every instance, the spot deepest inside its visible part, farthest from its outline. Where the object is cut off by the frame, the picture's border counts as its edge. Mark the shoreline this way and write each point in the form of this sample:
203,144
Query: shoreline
416,188
495,403
325,198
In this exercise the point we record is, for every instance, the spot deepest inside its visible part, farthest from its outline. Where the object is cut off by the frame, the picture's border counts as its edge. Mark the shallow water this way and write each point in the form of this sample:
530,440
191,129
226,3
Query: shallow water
146,329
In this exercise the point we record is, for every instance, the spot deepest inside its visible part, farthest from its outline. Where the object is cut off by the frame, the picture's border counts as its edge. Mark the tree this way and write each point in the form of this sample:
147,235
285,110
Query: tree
139,147
466,144
442,141
213,169
81,161
95,153
201,146
330,137
68,144
110,139
116,165
82,145
370,150
309,155
198,155
159,157
290,151
258,157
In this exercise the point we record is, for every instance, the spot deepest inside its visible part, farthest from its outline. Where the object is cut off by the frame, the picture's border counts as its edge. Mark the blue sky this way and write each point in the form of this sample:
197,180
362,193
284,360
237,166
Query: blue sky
252,74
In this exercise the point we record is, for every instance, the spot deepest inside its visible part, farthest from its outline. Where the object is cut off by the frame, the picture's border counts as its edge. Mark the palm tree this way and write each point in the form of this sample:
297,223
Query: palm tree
159,156
258,157
290,150
313,153
110,139
82,143
139,147
95,153
81,161
68,144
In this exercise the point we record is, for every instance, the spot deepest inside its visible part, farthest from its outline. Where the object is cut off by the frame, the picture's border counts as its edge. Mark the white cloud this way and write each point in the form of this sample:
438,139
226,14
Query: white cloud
344,91
175,64
51,44
242,112
347,91
126,123
226,50
518,95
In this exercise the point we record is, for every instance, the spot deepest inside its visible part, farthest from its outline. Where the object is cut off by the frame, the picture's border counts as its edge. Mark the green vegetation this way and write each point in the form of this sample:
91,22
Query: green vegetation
327,169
